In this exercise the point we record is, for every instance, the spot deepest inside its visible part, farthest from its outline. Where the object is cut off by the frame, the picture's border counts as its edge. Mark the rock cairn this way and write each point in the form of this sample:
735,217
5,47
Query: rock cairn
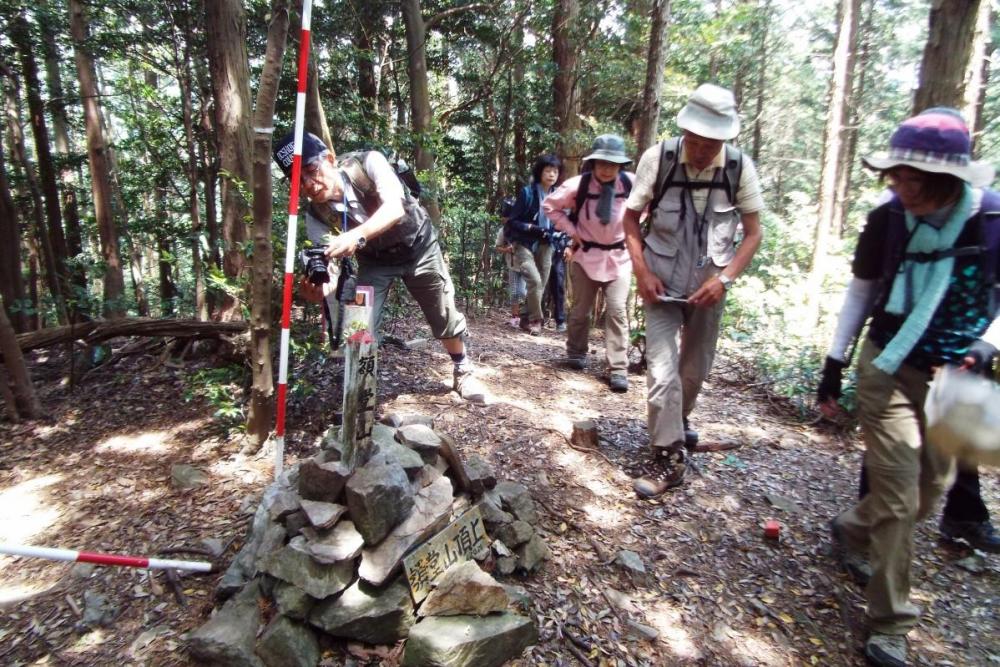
323,561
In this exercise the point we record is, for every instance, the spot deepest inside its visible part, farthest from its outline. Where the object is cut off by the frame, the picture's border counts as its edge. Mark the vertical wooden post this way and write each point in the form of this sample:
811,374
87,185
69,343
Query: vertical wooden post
360,372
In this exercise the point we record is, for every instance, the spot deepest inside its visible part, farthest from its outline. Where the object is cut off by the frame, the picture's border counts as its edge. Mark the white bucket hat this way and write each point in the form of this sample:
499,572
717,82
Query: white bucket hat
711,113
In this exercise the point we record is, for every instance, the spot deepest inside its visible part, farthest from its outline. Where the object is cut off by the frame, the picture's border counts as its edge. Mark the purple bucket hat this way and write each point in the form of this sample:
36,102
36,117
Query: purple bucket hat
936,140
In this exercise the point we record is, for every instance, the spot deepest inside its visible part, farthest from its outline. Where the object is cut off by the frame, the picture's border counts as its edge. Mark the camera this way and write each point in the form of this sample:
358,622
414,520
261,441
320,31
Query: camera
315,264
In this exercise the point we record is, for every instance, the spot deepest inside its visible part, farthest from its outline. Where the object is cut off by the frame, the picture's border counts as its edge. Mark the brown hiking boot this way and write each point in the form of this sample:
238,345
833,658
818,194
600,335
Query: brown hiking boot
671,464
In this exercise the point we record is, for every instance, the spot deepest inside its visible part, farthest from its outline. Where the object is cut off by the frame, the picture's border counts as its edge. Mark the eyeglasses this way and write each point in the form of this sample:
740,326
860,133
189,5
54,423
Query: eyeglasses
896,180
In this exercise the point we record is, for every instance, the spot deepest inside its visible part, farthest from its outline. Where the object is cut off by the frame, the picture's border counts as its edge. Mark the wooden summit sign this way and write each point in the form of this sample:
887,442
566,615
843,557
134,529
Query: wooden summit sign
360,380
459,541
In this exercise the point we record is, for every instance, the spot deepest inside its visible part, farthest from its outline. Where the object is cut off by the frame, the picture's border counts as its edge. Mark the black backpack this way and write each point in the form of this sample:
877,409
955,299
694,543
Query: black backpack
583,192
353,164
669,149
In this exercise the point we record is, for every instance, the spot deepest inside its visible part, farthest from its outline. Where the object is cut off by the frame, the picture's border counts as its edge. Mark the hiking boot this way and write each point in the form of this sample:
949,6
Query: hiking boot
886,650
979,534
618,382
535,328
561,327
853,563
470,388
577,361
672,464
690,435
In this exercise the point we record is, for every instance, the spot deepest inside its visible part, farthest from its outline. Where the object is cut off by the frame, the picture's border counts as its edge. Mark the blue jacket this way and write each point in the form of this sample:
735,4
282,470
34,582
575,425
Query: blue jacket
522,226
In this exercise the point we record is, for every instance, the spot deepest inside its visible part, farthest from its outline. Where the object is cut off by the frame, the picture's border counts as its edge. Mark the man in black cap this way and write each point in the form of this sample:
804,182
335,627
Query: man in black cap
358,207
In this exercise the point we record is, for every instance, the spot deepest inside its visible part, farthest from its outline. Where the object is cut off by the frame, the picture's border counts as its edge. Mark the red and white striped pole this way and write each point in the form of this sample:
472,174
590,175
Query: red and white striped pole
72,556
293,221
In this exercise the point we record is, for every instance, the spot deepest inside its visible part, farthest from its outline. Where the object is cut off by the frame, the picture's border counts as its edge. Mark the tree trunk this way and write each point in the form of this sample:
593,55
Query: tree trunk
978,74
19,155
100,171
20,34
855,104
25,399
565,97
185,80
226,32
367,28
833,151
315,120
261,392
649,114
11,280
420,102
946,54
758,119
67,175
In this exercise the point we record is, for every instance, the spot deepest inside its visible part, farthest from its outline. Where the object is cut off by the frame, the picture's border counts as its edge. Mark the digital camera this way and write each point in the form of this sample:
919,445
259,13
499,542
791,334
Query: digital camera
314,263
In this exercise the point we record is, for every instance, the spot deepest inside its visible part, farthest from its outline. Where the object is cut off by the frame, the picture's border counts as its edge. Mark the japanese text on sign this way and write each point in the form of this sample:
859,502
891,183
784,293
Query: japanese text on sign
460,541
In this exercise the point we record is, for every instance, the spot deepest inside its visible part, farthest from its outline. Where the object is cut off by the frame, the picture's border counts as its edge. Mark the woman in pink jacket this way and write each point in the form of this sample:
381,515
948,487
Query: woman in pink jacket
589,208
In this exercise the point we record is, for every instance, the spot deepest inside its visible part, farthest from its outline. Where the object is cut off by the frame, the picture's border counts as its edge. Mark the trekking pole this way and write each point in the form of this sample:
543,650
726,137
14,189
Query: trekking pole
72,556
293,220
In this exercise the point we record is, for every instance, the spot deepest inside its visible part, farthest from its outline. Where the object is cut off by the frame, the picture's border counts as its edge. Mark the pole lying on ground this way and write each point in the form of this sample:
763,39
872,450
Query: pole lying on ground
293,220
103,559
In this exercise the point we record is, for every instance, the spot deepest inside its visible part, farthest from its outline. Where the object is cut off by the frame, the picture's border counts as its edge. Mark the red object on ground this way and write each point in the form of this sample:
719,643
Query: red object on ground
772,529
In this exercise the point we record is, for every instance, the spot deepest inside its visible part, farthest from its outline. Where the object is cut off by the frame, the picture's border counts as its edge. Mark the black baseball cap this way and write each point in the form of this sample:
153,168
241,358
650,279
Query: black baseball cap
313,148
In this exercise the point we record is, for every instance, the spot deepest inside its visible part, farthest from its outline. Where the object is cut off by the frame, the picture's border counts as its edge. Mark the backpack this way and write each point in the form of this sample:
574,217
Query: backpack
583,192
507,207
669,149
988,247
353,164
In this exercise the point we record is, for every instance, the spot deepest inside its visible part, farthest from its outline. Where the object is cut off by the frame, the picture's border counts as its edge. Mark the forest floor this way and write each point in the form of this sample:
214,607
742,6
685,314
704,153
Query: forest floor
715,591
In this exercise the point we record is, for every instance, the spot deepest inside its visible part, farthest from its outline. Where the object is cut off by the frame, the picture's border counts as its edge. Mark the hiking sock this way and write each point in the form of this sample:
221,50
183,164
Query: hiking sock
461,361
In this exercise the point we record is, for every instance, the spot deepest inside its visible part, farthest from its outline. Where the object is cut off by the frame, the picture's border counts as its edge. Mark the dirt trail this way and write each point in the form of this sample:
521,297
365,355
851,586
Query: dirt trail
715,591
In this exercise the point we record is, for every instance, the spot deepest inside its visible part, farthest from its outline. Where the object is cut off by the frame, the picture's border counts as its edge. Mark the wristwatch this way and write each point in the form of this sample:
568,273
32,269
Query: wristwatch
360,243
726,281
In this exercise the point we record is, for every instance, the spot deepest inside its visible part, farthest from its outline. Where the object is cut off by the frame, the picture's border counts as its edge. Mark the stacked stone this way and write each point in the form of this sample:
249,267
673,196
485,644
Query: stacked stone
326,548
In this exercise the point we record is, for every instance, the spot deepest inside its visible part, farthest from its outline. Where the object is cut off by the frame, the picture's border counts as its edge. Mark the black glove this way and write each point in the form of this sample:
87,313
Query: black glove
983,354
833,376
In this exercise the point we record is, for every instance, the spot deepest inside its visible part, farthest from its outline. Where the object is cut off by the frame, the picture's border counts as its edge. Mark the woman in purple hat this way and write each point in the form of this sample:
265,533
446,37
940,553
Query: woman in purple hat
925,274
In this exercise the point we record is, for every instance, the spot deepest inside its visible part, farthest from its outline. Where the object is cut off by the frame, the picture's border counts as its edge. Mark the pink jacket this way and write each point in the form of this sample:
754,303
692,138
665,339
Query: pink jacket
599,265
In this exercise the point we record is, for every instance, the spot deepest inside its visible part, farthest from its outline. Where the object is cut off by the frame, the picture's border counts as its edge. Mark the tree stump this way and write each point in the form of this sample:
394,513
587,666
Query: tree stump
584,434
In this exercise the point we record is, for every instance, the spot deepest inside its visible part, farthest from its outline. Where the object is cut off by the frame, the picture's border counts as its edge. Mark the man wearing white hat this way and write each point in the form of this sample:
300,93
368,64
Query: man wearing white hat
698,190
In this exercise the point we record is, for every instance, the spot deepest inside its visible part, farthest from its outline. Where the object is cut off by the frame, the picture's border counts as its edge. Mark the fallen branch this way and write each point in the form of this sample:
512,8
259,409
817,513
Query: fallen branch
96,331
572,644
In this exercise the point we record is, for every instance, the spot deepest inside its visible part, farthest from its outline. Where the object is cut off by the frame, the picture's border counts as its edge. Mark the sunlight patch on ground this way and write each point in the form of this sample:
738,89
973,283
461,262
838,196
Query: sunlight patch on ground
27,509
605,517
672,631
12,592
242,469
150,442
89,641
748,648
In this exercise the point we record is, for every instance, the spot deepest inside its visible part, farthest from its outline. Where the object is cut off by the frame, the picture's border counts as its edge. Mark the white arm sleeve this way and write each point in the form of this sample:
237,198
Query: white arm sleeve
858,302
992,335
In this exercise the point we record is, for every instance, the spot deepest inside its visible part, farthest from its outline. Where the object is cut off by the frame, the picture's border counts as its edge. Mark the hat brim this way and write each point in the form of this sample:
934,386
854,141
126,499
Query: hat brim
977,174
604,156
721,129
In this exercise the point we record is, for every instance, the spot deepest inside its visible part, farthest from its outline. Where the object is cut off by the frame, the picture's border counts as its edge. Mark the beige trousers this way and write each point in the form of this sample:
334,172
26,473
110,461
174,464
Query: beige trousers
615,322
907,477
674,375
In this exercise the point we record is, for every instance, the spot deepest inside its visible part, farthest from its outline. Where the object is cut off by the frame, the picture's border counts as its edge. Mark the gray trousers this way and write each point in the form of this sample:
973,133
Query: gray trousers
615,322
428,282
535,267
674,376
